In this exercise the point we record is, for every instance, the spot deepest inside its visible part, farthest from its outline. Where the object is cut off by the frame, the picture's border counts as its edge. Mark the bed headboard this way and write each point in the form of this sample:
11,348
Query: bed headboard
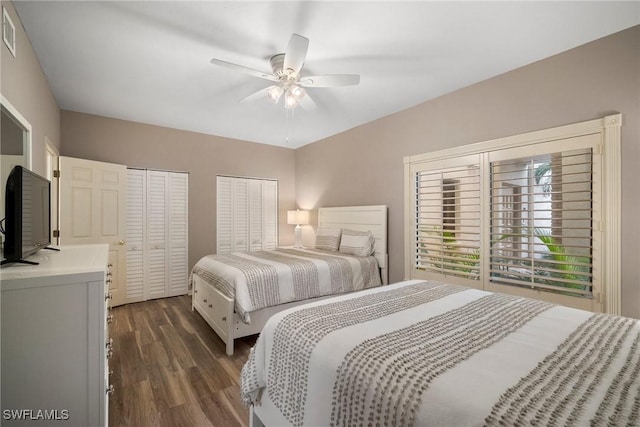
361,218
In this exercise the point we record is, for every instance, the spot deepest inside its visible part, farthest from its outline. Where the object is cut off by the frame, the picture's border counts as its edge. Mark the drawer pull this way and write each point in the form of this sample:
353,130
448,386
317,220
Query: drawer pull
111,389
108,297
110,373
109,354
210,305
204,300
224,318
195,291
110,318
109,265
109,344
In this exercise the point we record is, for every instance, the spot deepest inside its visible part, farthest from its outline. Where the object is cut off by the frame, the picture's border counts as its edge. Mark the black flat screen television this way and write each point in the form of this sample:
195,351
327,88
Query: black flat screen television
27,215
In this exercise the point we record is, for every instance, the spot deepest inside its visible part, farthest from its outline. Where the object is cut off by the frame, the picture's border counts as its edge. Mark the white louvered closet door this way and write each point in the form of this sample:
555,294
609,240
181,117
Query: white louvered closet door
224,215
157,224
240,202
136,229
269,215
178,233
247,214
157,234
256,215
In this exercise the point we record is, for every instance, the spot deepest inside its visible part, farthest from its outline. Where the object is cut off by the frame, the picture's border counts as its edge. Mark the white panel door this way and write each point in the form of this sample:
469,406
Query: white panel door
93,210
136,229
157,224
178,252
51,155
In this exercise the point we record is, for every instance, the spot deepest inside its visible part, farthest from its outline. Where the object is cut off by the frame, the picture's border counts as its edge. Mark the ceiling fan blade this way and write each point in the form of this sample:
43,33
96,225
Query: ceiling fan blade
296,53
306,103
243,69
330,80
262,93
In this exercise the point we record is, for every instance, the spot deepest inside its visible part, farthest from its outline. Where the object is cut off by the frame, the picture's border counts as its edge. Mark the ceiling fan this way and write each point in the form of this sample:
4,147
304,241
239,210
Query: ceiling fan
286,73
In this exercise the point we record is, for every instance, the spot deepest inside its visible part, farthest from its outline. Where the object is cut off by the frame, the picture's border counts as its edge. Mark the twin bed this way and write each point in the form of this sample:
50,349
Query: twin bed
236,293
426,353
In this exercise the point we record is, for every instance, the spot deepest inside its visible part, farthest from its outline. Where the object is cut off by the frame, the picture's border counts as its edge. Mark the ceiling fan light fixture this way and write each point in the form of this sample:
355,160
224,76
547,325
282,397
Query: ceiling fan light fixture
290,101
297,91
275,93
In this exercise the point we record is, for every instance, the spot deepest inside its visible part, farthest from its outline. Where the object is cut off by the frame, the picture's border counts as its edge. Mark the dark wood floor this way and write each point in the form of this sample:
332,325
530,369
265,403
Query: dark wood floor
170,368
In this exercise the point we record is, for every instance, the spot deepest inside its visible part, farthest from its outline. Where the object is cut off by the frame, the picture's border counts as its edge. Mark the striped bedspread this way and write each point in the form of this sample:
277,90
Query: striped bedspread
262,279
431,354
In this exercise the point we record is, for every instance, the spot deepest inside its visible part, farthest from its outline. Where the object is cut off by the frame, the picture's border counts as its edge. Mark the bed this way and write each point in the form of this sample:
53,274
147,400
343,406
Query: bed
236,293
426,353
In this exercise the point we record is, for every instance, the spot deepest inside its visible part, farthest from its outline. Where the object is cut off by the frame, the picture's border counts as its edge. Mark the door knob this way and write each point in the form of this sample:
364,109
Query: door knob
122,242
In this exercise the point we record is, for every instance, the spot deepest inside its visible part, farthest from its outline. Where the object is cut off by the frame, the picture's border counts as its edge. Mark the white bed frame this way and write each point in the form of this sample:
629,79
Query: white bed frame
218,309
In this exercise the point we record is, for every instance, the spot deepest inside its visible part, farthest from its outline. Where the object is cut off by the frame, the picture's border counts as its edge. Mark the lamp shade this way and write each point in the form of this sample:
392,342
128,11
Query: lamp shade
298,217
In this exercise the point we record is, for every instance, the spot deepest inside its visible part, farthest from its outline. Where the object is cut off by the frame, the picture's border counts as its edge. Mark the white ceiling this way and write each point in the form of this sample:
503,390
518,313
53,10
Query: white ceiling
149,61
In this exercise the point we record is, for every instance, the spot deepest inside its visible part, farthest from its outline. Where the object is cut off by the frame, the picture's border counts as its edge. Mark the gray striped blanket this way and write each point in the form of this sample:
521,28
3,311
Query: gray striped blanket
430,354
260,279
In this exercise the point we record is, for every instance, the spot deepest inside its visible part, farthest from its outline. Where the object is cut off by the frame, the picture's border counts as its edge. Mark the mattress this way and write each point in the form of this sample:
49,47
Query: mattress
432,354
259,279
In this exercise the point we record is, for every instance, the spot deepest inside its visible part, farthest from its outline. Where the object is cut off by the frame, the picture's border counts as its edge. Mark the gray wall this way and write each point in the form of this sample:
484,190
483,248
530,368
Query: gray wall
365,165
25,86
203,156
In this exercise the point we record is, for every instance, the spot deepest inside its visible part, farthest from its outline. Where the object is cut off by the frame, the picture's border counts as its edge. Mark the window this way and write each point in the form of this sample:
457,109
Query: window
448,221
522,215
541,222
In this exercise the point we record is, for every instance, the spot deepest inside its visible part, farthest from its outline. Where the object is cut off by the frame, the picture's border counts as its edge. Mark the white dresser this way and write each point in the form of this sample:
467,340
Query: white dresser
55,343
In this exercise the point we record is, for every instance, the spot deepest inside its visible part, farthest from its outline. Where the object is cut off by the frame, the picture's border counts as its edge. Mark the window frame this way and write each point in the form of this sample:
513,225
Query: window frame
607,295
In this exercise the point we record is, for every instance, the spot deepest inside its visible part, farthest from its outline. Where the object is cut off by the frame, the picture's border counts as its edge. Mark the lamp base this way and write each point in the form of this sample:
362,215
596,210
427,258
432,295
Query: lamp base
298,237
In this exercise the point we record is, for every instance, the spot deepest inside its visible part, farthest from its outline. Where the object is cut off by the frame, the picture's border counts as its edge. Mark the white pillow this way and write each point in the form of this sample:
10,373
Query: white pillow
328,239
360,243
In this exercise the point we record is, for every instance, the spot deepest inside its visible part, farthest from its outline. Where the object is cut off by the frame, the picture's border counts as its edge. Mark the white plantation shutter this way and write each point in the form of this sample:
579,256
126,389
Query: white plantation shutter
548,218
178,233
157,187
246,214
136,225
543,237
447,217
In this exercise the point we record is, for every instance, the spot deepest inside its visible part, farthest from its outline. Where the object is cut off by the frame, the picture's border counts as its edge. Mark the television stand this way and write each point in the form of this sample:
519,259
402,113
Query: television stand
24,261
19,261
